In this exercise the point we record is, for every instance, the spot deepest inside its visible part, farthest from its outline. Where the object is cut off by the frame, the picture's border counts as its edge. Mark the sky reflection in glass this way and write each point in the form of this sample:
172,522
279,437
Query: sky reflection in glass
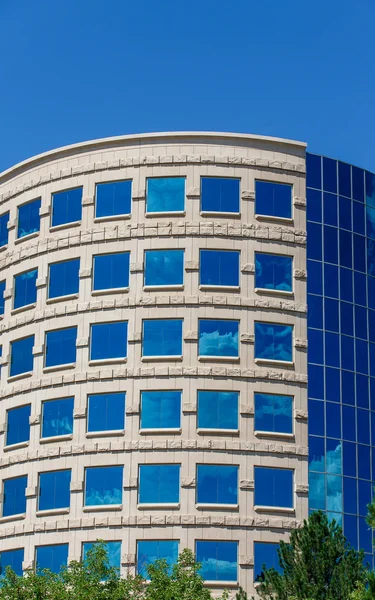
274,342
54,490
21,356
57,417
18,426
28,218
111,271
218,559
273,272
164,267
220,195
159,484
113,199
273,199
218,338
165,194
148,551
265,554
273,487
109,340
103,486
52,557
25,288
219,268
2,299
273,413
217,410
66,207
106,412
217,484
14,496
63,278
160,409
162,337
4,229
61,347
113,552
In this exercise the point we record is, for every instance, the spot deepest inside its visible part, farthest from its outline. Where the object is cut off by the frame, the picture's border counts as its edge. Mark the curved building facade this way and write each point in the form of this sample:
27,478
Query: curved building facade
154,362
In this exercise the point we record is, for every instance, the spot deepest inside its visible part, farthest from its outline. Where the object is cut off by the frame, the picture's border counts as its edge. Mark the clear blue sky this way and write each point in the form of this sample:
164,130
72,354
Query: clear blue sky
72,70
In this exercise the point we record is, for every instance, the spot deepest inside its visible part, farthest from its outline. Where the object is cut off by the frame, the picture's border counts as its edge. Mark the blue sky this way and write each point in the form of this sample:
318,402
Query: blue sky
72,70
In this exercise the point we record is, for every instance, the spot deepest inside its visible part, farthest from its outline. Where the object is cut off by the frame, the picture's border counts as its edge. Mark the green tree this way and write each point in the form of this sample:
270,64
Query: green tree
317,564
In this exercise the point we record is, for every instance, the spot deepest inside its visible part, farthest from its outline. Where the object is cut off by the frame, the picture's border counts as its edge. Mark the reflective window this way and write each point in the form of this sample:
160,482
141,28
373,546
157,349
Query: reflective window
18,426
159,484
21,356
28,218
317,493
217,484
160,409
57,417
218,559
164,267
273,413
111,271
162,337
2,299
25,288
109,340
358,184
329,175
106,412
314,170
51,557
54,490
273,272
14,496
274,342
220,195
63,278
314,205
219,268
12,559
113,552
61,347
345,183
273,199
265,555
273,487
218,338
103,485
66,207
165,194
330,209
217,410
113,199
148,551
4,229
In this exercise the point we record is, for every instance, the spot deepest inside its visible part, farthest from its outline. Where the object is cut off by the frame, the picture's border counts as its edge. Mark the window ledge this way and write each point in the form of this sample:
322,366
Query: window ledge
122,290
20,309
215,213
52,511
109,433
163,358
59,367
56,438
65,226
102,507
62,298
108,361
215,431
274,292
235,359
275,509
27,237
16,446
274,434
156,288
17,517
220,584
3,248
224,288
159,506
112,218
289,220
19,376
271,361
168,213
167,430
211,506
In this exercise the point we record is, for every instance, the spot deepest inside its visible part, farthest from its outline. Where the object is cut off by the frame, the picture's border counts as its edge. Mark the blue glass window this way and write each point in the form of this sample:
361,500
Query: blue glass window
274,342
273,199
273,272
345,184
18,426
165,195
218,338
12,559
315,311
370,188
57,417
317,494
25,288
219,268
103,486
28,218
217,410
358,184
314,171
346,250
148,551
330,209
52,557
54,490
2,299
109,340
21,356
218,559
316,454
113,552
14,494
106,412
314,205
316,417
162,337
217,484
273,413
159,484
330,244
61,347
63,278
220,195
265,555
315,277
358,218
331,280
329,175
314,243
273,487
66,207
160,409
113,199
4,229
111,271
316,381
164,267
345,213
